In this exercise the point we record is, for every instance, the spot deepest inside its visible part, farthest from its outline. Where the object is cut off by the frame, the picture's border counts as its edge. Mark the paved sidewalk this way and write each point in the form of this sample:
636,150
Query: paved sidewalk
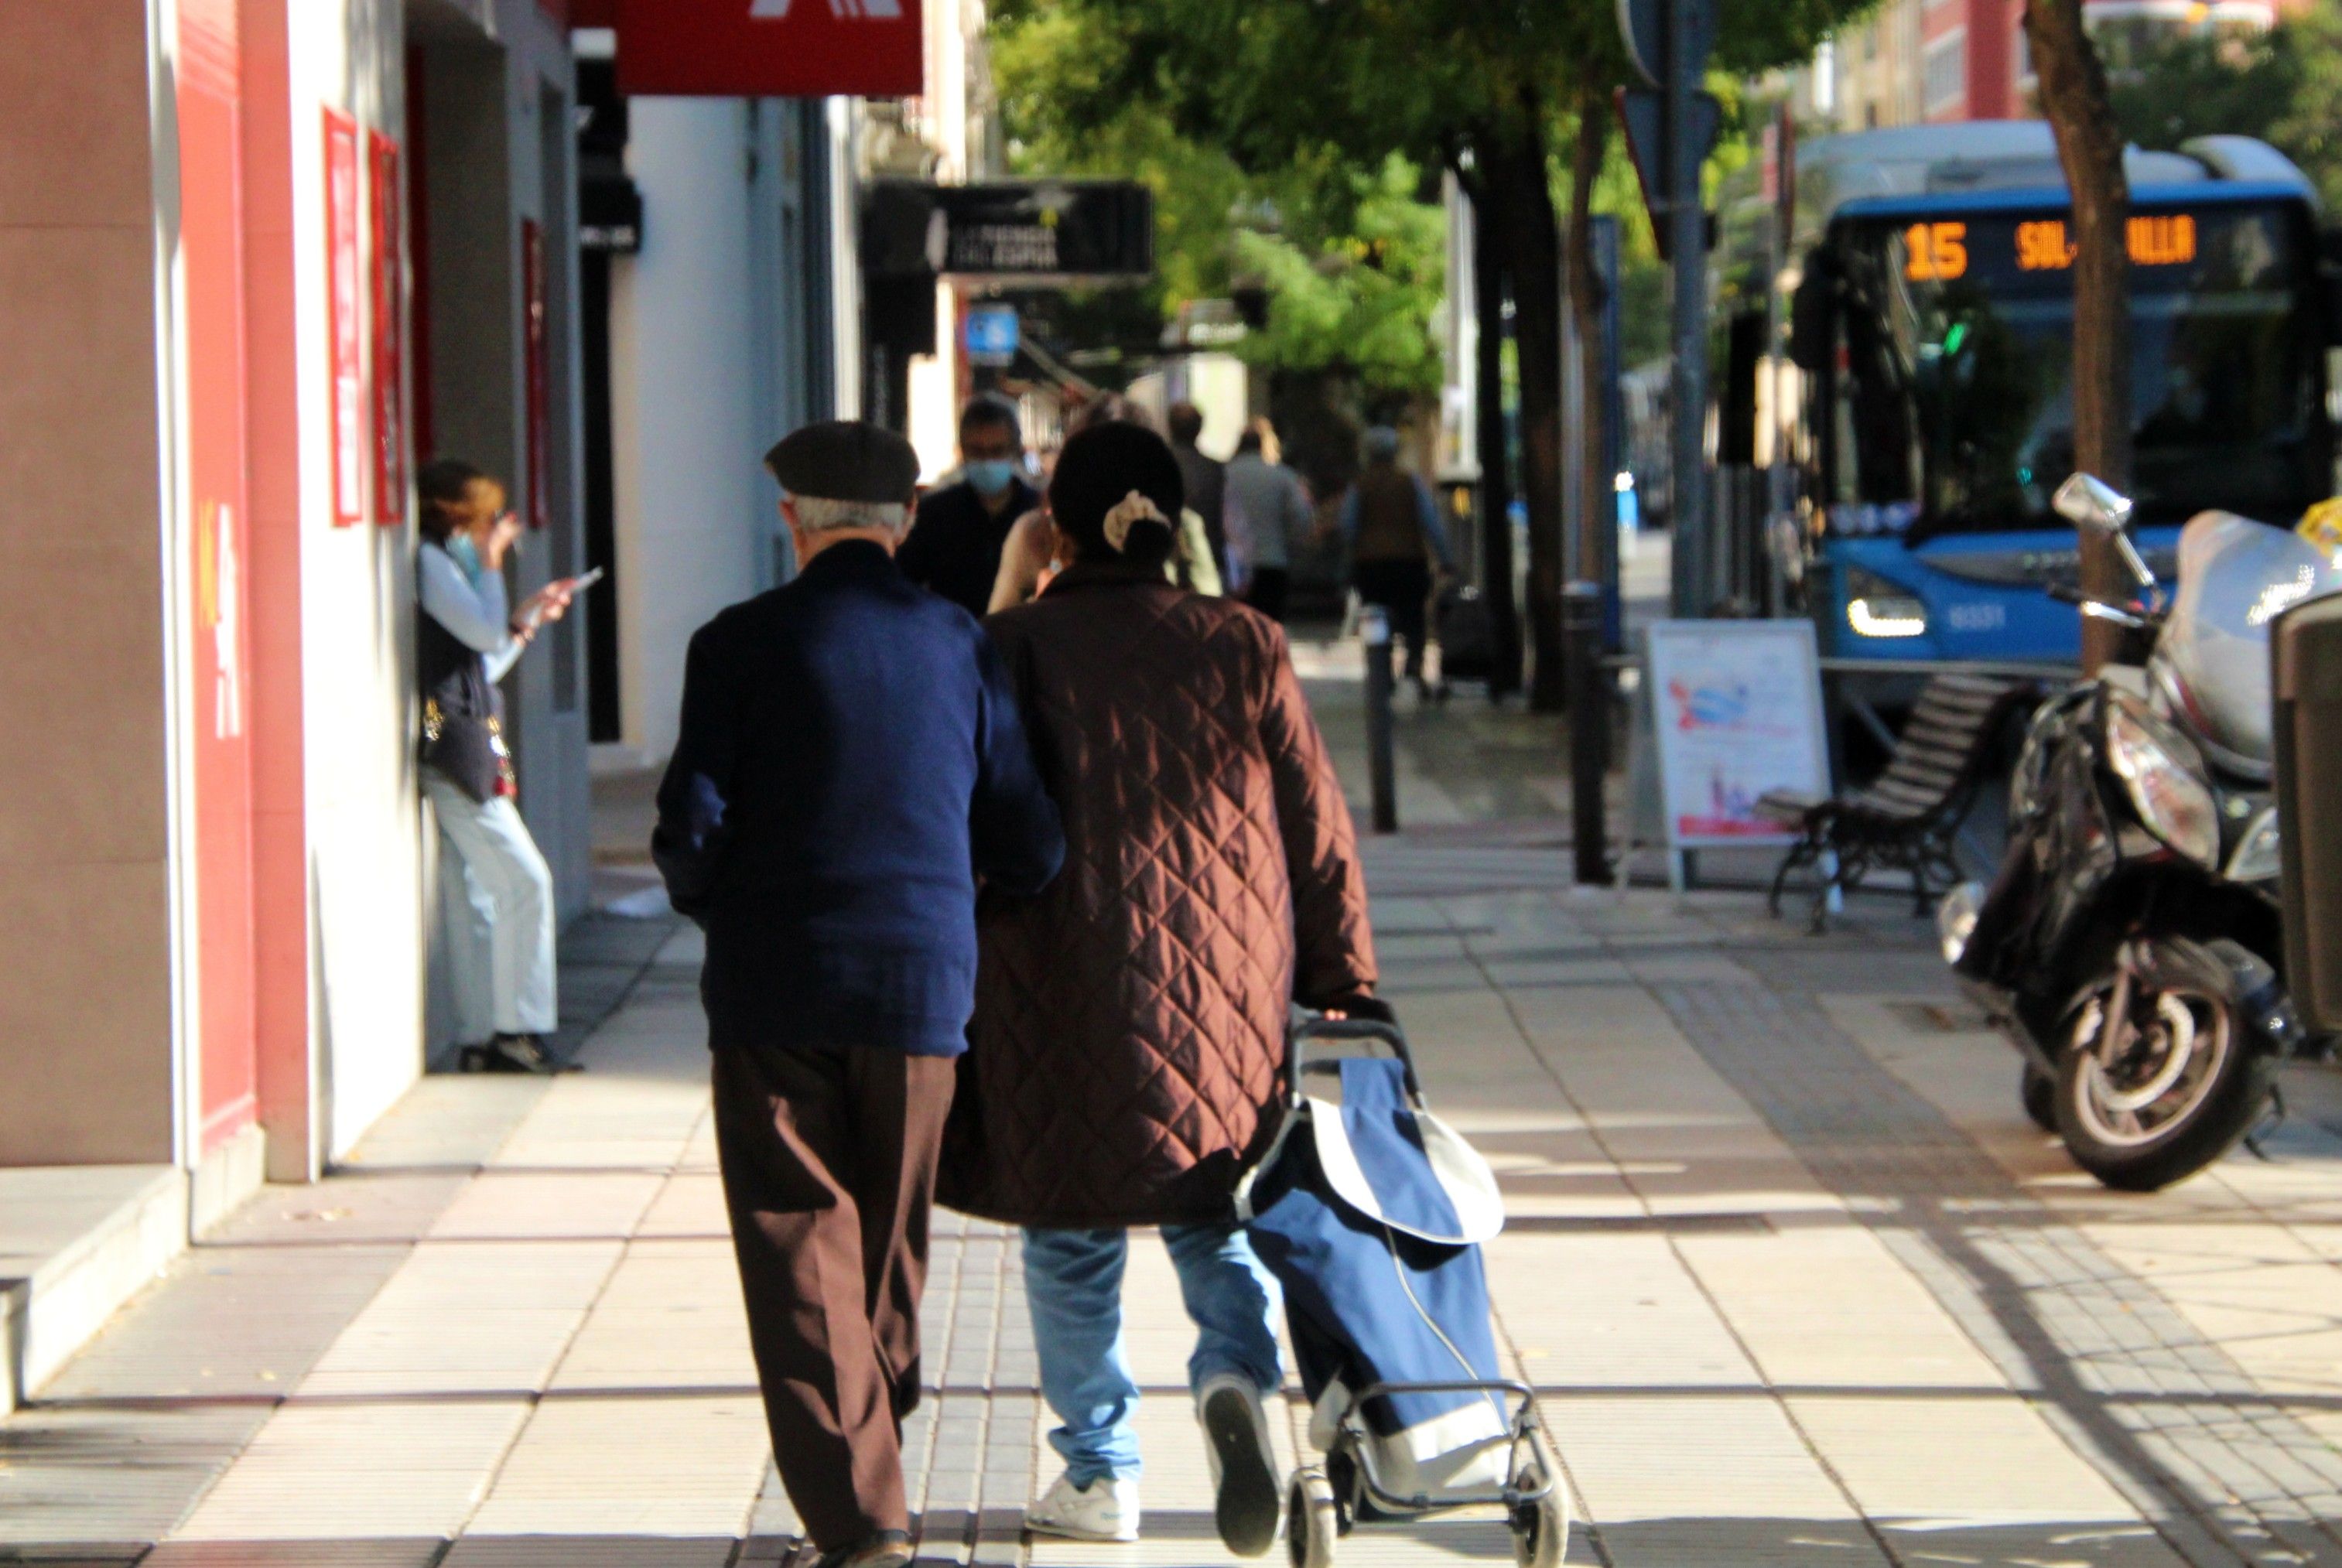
1796,1280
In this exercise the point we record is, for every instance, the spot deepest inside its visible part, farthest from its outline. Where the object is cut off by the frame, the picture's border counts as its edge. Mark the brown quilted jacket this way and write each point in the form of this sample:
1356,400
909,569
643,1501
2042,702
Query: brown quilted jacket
1129,1024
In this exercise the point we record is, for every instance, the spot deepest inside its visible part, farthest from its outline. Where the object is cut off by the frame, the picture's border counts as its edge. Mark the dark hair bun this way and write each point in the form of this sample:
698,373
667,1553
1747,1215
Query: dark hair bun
1096,469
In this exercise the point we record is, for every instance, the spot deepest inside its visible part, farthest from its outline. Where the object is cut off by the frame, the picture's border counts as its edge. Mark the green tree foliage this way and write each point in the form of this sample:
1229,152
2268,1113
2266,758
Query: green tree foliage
1360,302
1488,89
2284,87
1351,261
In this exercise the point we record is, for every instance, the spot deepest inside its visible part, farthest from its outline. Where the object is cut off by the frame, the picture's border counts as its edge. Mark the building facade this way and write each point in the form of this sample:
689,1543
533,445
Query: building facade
262,257
1918,62
740,312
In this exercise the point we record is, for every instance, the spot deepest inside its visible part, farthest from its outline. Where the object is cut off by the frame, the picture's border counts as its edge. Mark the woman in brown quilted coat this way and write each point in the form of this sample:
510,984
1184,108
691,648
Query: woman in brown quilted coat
1130,1020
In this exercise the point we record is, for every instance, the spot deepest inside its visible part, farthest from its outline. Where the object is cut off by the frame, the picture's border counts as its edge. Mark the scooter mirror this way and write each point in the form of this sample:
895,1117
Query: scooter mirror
2088,502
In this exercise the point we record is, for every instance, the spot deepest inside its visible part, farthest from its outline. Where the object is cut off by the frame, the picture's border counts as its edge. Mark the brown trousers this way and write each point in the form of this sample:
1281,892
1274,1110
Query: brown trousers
829,1173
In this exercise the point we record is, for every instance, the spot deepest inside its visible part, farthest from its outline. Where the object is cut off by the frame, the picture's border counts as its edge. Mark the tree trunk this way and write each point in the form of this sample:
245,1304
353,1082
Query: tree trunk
1518,182
1597,496
1495,465
2090,146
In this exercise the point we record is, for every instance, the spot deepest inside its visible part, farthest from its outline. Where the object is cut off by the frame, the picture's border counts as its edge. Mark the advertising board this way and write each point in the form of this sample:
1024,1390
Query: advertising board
1735,713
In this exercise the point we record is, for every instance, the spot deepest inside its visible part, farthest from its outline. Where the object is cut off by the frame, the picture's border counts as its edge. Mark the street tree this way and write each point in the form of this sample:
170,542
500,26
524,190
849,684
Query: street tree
1340,268
2080,109
1489,89
2283,85
1359,301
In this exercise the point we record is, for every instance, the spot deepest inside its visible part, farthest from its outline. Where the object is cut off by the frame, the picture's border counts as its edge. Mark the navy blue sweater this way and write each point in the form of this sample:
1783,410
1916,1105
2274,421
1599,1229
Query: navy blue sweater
851,762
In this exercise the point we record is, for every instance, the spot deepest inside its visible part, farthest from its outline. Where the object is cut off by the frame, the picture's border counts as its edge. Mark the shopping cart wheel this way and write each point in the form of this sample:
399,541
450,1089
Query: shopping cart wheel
1350,1501
1541,1529
1310,1525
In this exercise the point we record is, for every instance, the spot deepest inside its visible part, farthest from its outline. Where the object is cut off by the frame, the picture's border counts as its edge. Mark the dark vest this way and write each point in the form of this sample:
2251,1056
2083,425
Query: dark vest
462,714
1390,528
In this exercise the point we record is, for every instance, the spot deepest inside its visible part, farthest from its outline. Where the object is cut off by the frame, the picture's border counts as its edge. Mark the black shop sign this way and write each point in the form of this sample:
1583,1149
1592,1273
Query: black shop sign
1026,230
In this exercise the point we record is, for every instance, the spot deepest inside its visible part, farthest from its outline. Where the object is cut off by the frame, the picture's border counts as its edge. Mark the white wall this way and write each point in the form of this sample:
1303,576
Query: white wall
844,116
358,634
685,407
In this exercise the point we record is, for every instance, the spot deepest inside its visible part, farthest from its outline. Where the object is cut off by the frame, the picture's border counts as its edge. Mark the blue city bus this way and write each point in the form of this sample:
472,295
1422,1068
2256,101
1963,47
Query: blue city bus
1928,311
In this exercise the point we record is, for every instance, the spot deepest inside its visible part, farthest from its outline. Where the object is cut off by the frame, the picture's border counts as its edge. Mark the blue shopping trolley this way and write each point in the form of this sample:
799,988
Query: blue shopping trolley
1370,1210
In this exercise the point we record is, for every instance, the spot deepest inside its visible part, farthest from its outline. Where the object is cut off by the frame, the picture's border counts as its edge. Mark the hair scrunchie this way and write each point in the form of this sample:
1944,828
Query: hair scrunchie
1127,512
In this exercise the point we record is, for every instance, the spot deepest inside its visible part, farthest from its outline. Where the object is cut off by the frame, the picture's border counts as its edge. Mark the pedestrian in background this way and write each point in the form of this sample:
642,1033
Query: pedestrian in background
1267,510
851,764
1205,478
499,891
1129,1031
1392,528
956,544
1037,551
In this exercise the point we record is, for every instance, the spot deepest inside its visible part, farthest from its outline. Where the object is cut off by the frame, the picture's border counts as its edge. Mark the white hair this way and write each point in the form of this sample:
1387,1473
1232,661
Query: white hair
820,514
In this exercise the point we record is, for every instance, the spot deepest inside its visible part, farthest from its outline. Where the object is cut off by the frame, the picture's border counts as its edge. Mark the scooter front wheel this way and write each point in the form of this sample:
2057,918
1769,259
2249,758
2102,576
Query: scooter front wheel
2158,1092
2037,1092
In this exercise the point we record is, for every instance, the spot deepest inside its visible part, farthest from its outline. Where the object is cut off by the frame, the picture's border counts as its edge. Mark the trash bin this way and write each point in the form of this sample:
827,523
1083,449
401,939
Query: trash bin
2306,650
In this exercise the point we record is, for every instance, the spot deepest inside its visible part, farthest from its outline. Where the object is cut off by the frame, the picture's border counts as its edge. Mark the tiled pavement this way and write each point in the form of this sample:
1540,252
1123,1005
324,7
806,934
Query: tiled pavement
1796,1280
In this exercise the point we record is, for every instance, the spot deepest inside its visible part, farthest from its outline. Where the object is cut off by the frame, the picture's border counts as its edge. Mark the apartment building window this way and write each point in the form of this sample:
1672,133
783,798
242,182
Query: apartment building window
1944,72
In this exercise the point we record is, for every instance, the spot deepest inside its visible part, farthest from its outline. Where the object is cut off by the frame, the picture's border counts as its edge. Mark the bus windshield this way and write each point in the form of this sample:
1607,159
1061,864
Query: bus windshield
1953,385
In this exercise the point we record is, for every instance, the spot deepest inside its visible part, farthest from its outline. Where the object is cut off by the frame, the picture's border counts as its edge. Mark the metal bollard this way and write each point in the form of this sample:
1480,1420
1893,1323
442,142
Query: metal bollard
1590,728
1374,631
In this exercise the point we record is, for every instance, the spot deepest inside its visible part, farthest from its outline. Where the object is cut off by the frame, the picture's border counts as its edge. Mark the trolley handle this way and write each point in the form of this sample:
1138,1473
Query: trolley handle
1318,1026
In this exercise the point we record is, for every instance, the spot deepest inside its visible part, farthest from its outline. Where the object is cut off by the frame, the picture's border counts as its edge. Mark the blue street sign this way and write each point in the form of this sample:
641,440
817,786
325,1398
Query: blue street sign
991,334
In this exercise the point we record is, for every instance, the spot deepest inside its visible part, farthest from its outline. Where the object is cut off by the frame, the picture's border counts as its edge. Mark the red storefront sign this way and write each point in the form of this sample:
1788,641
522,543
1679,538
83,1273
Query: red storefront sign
539,384
386,350
342,315
771,48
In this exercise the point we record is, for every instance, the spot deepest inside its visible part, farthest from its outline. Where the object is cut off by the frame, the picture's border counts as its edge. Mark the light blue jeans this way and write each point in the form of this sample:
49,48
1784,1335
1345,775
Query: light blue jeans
496,897
1073,1281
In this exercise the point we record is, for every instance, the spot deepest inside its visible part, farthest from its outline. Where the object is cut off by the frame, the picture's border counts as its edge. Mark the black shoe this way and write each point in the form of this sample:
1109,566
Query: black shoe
511,1053
1246,1496
887,1549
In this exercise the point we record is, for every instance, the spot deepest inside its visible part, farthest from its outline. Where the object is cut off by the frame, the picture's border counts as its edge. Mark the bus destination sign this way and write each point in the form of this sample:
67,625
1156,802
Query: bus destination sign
1939,252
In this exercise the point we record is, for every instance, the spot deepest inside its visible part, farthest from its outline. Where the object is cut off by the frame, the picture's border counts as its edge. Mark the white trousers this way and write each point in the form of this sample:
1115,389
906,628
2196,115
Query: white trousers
496,898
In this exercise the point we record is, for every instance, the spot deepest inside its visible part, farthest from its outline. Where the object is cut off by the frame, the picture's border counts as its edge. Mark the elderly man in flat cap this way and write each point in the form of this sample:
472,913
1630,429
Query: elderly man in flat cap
851,766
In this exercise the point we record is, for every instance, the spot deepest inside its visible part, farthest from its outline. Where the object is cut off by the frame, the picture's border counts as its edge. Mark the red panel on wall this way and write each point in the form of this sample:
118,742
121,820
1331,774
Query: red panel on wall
218,649
386,356
770,48
341,316
280,831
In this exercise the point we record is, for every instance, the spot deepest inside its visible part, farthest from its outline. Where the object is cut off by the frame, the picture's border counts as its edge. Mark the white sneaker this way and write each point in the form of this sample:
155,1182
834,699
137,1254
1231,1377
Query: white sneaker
1106,1510
1246,1496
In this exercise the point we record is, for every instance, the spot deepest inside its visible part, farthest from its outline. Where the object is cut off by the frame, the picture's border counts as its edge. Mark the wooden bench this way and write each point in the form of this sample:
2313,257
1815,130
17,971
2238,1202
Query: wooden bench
1906,819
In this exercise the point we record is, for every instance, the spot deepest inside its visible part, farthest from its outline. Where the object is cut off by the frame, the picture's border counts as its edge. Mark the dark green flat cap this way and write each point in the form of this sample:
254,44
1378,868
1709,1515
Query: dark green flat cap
846,460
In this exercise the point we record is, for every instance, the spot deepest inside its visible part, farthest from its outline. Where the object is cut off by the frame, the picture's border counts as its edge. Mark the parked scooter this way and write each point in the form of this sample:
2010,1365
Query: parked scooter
2130,946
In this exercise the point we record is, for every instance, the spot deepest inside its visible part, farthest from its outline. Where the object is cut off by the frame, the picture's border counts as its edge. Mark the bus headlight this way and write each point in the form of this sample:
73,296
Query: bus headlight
2172,798
1876,608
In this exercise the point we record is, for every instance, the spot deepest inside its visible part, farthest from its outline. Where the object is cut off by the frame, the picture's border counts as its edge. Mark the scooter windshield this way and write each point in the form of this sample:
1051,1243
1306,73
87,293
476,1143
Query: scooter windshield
2235,576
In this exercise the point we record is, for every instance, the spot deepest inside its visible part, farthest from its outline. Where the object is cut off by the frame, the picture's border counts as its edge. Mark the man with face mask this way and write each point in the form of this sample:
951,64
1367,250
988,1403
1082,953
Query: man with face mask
954,547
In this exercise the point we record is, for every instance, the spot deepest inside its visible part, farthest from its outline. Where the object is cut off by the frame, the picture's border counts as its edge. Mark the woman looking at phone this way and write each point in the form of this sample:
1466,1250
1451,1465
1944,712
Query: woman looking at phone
500,935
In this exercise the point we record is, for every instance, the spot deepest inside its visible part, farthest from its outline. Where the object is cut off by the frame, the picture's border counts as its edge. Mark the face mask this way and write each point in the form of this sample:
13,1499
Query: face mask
466,554
991,475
